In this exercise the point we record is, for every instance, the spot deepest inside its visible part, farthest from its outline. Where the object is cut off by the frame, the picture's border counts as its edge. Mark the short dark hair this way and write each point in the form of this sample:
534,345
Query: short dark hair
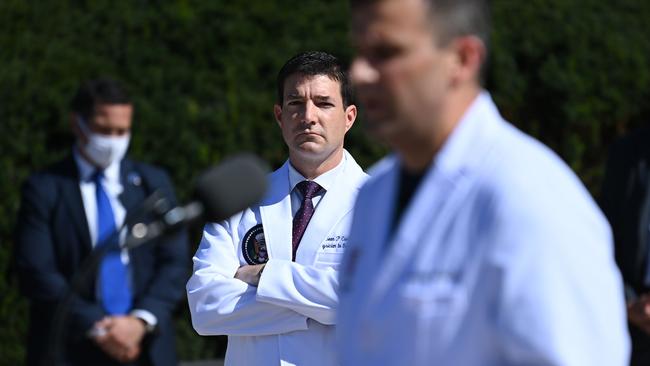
313,63
97,91
454,18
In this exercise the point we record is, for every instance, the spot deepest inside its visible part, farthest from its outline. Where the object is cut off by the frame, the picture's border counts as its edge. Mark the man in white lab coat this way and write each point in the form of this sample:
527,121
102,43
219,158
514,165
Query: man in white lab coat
473,244
267,277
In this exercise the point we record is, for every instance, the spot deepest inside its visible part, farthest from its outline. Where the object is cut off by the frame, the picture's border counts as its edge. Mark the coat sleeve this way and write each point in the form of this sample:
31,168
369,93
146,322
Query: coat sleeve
220,304
170,260
40,278
307,290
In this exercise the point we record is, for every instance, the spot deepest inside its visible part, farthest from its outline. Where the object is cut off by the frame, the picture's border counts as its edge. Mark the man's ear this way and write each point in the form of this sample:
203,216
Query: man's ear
470,54
277,112
74,127
350,116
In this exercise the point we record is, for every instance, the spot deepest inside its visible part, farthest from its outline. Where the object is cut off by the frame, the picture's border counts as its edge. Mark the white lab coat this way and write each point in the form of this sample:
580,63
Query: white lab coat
501,258
288,319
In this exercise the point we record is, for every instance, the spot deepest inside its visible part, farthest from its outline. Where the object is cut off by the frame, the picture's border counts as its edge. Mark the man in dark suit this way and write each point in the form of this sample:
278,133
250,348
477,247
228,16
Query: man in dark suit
124,314
626,202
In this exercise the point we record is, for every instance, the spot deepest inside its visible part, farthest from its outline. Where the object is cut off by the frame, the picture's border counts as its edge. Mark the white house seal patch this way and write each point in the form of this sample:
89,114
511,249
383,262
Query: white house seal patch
254,246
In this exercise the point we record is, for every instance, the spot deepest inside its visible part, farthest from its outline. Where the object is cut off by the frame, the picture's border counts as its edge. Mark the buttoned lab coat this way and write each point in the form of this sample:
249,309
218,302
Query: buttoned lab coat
501,258
288,319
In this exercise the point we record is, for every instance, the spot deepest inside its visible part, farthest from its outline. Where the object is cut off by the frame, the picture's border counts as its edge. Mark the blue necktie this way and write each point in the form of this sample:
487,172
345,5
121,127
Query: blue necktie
113,279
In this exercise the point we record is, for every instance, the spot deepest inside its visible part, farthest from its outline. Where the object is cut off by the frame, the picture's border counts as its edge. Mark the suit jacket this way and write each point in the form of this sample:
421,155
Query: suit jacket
289,317
500,258
52,241
625,199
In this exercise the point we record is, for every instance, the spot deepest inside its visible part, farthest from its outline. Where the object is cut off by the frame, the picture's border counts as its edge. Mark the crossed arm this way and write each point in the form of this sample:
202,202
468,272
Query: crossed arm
272,298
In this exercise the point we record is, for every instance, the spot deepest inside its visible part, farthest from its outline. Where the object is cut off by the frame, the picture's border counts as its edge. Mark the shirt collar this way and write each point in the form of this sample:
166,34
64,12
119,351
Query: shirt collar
86,169
325,180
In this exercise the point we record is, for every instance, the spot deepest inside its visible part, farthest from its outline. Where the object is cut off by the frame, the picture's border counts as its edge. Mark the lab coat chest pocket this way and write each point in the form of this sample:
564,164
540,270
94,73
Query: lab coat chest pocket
436,301
330,252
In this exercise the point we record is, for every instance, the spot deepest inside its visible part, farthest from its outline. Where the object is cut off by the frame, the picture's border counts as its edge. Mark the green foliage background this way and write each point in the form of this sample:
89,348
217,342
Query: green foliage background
573,73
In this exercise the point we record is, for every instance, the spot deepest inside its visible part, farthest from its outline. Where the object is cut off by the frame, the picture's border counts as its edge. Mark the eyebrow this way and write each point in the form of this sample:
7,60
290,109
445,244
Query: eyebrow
317,97
322,97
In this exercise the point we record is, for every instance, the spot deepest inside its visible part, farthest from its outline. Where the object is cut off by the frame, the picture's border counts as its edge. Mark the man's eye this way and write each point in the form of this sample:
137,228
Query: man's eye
102,130
294,102
384,53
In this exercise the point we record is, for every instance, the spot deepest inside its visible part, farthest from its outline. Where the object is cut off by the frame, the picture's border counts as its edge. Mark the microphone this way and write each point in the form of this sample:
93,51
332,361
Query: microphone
220,192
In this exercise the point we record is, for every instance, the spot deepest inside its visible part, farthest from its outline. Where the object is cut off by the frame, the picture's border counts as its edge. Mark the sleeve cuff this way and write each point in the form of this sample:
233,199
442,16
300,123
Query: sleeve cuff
147,317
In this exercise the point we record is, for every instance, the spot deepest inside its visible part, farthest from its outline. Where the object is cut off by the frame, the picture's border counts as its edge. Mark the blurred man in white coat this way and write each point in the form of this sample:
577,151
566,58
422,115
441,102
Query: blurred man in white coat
473,244
267,277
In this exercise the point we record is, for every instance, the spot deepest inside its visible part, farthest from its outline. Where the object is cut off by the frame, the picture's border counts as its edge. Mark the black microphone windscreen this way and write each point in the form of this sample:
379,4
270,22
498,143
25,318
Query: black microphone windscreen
232,186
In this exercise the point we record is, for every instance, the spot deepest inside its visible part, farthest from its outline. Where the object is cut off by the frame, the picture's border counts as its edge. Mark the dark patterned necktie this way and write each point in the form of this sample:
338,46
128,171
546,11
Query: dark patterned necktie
113,275
308,189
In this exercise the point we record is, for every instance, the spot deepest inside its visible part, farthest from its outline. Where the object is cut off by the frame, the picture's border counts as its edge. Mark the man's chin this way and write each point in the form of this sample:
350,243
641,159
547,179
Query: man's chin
312,152
310,148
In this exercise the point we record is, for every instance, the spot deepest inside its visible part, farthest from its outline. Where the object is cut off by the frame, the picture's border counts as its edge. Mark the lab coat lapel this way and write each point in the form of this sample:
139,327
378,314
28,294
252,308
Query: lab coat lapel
368,254
274,210
379,236
335,204
419,217
439,195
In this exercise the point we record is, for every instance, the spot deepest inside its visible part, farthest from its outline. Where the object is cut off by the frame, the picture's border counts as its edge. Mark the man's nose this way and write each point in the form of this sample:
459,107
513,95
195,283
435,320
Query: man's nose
309,113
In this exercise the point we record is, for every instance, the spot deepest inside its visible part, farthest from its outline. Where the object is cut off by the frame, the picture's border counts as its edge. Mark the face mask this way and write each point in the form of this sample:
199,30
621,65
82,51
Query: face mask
103,150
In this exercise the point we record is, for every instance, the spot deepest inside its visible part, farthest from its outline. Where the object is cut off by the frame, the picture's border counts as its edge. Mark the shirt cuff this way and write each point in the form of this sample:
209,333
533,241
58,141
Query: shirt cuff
147,317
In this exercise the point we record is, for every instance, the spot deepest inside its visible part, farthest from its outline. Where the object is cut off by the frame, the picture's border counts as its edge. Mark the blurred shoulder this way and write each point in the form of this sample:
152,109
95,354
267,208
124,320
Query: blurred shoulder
47,179
380,172
527,178
152,172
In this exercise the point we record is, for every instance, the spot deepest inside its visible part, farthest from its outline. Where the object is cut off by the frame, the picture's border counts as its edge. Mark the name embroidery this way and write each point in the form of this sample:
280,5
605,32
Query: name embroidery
335,242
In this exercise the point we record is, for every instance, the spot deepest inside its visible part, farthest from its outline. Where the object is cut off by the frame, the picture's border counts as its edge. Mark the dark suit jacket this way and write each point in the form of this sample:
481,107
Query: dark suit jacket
625,199
52,240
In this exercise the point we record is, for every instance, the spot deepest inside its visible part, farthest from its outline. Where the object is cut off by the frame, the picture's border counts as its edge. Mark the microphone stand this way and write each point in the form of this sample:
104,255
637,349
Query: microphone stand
155,204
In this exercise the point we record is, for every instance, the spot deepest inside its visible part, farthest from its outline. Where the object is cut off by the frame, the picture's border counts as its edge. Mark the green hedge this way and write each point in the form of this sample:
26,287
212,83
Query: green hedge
571,72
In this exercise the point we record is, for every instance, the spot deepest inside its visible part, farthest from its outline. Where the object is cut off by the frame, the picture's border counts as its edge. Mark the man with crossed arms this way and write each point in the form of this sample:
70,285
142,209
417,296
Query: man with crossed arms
267,277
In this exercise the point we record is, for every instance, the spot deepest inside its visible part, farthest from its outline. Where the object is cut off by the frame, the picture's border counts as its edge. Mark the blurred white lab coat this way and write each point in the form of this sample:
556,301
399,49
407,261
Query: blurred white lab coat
501,258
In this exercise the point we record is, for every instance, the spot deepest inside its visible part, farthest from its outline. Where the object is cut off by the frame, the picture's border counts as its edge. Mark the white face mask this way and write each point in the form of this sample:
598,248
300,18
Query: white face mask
102,149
